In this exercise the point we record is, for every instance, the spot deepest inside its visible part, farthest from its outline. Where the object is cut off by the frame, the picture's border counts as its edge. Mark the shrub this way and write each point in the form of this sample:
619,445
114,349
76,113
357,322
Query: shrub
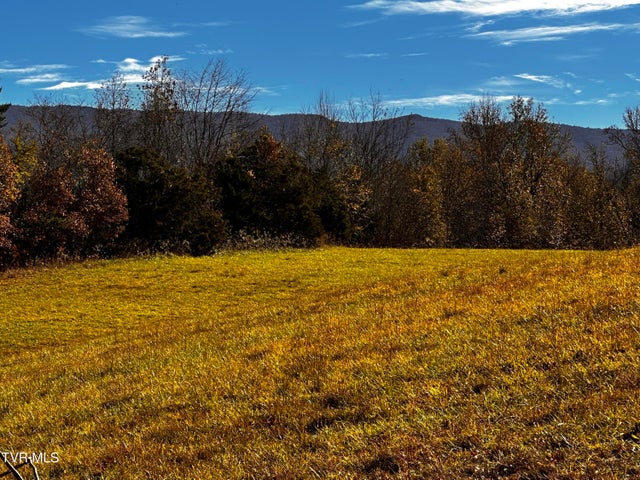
265,188
169,207
74,208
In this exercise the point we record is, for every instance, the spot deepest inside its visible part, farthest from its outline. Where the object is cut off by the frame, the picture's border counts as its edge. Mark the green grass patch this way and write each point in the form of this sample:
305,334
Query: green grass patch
328,363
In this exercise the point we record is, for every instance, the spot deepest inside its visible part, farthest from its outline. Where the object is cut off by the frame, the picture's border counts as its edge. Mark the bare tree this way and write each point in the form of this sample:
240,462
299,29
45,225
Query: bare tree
629,137
629,140
357,147
191,118
114,114
57,126
159,111
377,137
378,134
321,137
213,105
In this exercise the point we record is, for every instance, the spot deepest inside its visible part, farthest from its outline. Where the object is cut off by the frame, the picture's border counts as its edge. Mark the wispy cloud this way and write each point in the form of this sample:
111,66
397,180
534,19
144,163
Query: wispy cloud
33,74
269,91
450,100
216,24
463,100
593,101
73,85
580,103
40,78
129,65
478,26
133,69
486,8
133,65
55,77
546,33
576,57
46,73
10,69
366,55
203,49
130,26
361,23
546,79
502,82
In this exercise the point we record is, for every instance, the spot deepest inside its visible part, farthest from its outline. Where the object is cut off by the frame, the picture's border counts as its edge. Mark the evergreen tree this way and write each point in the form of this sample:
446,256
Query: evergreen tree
266,189
169,208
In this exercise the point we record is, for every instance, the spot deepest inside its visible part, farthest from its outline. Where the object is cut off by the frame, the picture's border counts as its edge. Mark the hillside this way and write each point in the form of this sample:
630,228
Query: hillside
332,363
281,126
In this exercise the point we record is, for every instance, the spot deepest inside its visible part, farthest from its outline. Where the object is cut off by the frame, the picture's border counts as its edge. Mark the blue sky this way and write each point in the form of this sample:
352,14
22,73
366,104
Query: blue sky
433,58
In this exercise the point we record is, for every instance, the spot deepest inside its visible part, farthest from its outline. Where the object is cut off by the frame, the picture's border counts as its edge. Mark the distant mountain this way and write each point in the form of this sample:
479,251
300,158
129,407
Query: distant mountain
282,127
15,114
434,128
584,137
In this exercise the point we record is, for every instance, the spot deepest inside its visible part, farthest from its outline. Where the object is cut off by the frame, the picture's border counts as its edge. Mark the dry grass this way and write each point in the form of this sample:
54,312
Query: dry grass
331,363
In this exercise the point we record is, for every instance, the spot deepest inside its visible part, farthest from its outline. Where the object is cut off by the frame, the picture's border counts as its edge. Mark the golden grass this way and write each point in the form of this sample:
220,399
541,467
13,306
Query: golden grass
330,363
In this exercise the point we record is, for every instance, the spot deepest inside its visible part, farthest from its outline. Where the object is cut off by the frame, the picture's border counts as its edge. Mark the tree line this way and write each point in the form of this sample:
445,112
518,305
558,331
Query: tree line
176,165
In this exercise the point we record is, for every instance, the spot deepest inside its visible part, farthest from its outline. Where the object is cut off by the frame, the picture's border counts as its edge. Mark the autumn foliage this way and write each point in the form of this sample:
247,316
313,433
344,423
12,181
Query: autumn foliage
70,207
8,195
186,172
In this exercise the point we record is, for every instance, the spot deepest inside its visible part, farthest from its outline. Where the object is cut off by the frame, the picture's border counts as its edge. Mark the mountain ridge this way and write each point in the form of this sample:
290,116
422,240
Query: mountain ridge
431,128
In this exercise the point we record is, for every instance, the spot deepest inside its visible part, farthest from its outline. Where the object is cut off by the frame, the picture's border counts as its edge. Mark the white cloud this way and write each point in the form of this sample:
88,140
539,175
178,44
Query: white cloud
502,82
359,24
579,103
485,8
214,51
463,100
218,24
130,26
452,100
40,78
129,65
476,27
203,49
132,70
593,101
538,34
33,69
265,91
546,79
33,74
576,57
170,58
366,55
73,85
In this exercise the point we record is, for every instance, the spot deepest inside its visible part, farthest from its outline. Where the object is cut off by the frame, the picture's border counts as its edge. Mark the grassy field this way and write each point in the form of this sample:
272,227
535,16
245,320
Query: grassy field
330,363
